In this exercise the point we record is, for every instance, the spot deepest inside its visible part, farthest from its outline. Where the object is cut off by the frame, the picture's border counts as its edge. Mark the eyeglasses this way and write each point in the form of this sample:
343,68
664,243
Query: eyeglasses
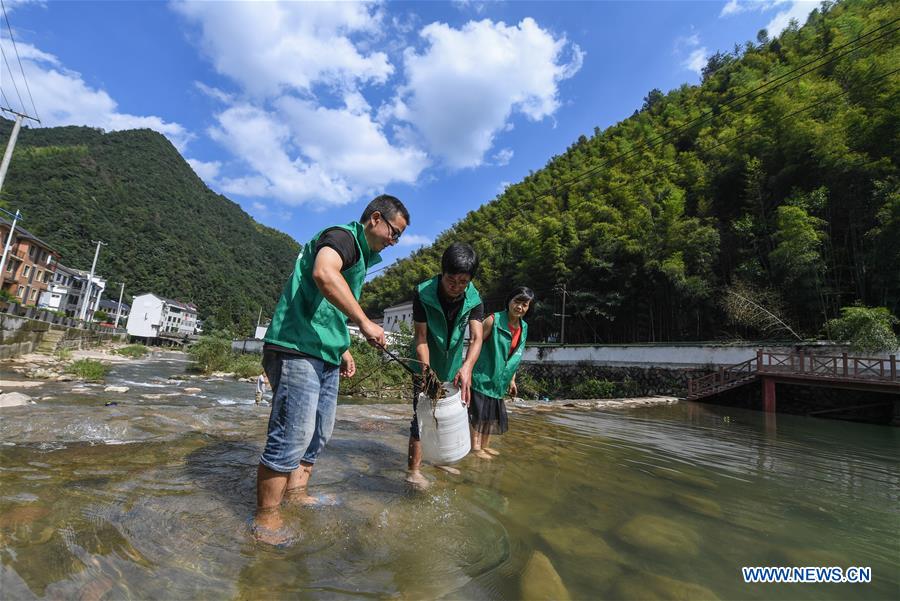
395,233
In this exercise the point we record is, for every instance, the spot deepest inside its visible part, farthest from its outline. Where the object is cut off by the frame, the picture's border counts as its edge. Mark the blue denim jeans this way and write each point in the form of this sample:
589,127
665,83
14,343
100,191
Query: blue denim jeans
304,400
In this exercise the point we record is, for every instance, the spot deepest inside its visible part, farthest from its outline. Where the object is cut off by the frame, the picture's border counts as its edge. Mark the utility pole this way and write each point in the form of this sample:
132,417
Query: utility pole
119,308
9,239
11,144
562,333
90,282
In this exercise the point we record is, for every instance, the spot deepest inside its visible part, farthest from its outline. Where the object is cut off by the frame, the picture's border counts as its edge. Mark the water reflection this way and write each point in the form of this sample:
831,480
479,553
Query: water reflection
152,498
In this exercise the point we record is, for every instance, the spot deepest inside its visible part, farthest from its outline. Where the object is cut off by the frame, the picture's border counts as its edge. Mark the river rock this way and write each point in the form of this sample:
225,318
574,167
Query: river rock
540,580
116,389
65,378
698,504
651,587
222,374
14,399
661,535
575,543
193,390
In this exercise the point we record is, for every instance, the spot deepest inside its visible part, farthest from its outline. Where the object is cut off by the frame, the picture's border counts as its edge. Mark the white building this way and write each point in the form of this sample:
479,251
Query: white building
152,315
397,314
66,292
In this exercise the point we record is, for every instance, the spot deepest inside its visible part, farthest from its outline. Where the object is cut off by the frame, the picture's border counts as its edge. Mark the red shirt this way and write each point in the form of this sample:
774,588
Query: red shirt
516,332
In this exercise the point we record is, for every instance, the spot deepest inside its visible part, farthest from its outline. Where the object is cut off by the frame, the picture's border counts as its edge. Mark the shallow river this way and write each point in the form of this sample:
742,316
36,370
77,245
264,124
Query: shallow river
151,498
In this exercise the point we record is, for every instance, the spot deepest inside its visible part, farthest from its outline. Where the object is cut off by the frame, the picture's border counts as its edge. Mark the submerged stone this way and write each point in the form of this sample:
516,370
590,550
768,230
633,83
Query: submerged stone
686,478
650,587
661,535
698,504
541,581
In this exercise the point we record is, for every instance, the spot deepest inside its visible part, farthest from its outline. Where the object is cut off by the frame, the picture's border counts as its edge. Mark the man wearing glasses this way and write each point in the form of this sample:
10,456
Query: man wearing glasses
307,349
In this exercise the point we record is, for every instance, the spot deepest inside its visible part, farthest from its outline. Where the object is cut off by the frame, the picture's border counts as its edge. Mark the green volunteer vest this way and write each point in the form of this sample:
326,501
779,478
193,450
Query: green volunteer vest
445,357
306,321
495,369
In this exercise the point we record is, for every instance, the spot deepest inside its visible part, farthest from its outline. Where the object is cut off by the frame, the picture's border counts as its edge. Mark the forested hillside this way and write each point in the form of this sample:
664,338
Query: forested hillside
167,233
774,181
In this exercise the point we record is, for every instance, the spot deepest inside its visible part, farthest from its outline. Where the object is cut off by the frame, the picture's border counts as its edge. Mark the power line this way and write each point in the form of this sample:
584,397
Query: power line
710,115
15,86
21,68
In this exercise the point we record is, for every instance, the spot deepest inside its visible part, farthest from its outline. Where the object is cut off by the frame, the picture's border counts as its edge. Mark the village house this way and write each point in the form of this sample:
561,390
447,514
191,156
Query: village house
153,316
30,265
397,314
112,308
66,292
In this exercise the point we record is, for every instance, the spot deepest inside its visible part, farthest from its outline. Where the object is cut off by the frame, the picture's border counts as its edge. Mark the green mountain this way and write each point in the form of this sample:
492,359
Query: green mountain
773,182
167,233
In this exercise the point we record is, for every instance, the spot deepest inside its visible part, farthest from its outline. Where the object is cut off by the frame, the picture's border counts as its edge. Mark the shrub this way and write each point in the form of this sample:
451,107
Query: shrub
375,372
246,366
867,329
529,387
594,389
135,351
64,354
211,353
88,369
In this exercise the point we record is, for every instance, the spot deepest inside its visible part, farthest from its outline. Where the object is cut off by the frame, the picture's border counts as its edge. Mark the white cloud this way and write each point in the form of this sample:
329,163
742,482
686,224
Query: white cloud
503,186
463,88
304,154
697,55
503,157
268,47
734,7
62,97
696,60
414,240
798,10
208,171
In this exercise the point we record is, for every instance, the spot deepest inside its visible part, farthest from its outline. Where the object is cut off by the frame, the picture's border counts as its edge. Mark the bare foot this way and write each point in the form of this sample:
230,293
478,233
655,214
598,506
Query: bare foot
417,480
493,452
480,453
448,469
268,527
301,497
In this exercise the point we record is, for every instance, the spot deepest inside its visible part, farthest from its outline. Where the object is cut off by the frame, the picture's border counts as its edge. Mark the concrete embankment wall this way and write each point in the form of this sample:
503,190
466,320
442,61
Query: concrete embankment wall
21,335
642,369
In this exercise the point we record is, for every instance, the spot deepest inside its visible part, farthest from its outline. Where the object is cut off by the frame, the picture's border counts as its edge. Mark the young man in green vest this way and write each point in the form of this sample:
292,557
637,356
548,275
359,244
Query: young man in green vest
443,307
307,349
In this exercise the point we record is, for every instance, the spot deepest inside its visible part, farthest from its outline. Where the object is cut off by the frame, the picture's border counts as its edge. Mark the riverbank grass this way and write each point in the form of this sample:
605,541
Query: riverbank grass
88,369
134,351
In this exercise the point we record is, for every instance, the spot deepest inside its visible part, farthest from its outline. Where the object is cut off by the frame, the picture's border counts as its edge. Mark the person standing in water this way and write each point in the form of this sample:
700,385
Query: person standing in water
505,333
307,349
443,306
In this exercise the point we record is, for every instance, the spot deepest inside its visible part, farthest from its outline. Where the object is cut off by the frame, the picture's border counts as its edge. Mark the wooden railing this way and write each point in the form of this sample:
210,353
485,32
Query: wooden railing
828,366
809,365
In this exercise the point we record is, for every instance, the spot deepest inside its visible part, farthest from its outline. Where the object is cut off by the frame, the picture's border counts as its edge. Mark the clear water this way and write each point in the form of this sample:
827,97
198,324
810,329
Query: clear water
150,499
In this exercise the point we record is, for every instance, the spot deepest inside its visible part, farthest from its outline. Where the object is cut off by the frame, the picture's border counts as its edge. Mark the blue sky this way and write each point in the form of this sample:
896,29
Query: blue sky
302,112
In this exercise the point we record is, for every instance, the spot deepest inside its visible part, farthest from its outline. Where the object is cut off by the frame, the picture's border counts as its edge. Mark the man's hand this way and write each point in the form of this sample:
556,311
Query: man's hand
373,332
348,365
513,389
463,381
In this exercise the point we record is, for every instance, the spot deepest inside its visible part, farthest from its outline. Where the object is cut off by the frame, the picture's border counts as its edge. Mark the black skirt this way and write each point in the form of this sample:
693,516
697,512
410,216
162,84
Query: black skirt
487,415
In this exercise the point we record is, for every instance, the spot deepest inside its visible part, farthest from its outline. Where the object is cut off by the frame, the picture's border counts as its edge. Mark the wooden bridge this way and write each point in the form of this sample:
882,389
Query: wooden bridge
856,373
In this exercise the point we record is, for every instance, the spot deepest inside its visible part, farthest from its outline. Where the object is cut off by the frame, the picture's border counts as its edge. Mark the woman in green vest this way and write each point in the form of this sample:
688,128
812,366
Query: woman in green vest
504,335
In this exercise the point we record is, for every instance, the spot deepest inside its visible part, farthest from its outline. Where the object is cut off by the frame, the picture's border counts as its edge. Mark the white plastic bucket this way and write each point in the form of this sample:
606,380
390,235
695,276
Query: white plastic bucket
446,441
